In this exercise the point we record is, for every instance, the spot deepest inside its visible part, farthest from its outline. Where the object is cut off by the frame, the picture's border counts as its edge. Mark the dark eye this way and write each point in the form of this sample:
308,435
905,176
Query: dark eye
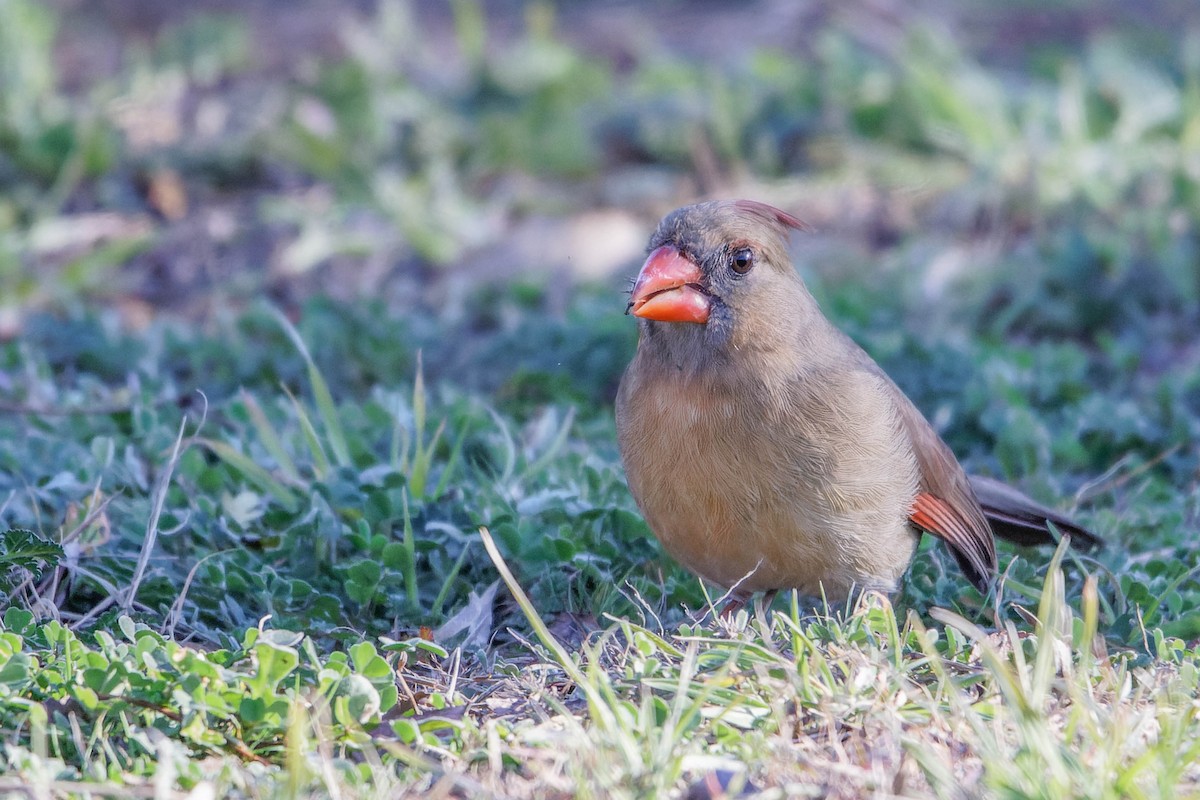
742,260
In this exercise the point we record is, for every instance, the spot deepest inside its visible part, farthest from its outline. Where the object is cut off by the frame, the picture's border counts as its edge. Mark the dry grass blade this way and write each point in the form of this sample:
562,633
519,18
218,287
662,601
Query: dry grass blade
540,630
158,500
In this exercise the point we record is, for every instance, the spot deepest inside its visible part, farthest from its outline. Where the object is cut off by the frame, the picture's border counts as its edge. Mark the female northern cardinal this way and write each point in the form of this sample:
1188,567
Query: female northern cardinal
765,448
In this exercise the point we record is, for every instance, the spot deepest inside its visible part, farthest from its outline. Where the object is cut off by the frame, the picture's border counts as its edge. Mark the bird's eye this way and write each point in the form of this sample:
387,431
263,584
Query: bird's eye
742,260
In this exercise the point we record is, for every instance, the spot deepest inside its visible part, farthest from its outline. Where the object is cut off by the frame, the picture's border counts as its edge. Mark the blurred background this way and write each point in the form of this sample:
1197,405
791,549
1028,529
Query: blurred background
1039,159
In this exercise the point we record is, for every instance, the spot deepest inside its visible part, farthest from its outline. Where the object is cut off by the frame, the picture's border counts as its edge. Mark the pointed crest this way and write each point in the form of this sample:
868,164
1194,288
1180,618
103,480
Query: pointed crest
772,214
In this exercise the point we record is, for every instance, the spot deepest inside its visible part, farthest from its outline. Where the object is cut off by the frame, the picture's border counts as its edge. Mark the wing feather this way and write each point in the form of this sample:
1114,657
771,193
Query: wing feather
946,505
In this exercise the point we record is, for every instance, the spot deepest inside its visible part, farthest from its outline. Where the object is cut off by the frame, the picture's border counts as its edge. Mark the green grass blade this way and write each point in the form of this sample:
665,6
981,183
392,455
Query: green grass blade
270,438
326,408
451,462
321,465
411,587
254,473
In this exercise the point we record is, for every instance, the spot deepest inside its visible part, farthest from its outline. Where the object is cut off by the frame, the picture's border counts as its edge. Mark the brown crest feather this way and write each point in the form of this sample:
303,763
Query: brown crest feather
771,214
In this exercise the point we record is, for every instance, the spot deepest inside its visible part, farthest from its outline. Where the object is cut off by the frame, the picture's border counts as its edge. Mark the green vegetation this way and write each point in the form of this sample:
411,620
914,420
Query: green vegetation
382,541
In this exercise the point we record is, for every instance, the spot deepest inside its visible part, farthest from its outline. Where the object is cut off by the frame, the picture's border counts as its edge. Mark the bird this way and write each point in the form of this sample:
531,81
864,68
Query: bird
766,450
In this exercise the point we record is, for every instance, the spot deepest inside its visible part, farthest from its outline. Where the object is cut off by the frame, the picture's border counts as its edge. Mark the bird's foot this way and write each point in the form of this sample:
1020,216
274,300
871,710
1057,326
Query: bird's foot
734,603
738,600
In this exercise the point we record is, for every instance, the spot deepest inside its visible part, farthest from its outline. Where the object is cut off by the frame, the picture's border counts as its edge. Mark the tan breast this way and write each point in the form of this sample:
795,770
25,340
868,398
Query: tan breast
798,485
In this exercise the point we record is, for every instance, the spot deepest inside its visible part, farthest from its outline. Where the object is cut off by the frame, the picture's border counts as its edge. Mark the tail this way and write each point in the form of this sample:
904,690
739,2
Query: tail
1021,520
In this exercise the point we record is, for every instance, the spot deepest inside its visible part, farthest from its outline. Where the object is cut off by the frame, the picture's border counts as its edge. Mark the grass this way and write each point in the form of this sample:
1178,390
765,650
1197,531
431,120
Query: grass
379,541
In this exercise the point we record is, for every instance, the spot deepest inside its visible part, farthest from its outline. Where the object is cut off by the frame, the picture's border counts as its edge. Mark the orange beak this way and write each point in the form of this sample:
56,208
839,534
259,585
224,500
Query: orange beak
668,290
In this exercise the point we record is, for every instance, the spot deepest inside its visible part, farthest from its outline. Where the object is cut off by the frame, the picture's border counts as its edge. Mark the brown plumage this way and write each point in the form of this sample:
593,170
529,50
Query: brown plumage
765,448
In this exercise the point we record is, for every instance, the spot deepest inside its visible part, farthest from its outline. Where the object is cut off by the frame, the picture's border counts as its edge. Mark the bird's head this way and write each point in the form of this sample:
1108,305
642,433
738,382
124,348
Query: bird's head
718,276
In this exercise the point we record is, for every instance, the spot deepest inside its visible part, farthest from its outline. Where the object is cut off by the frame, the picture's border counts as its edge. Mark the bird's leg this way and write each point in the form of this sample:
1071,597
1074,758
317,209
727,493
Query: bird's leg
737,597
734,603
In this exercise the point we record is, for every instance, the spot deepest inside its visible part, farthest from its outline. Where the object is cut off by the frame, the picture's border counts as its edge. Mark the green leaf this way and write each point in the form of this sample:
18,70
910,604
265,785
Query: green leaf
362,578
17,620
361,654
17,671
86,697
395,556
415,645
128,627
362,698
406,729
252,709
26,550
275,662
